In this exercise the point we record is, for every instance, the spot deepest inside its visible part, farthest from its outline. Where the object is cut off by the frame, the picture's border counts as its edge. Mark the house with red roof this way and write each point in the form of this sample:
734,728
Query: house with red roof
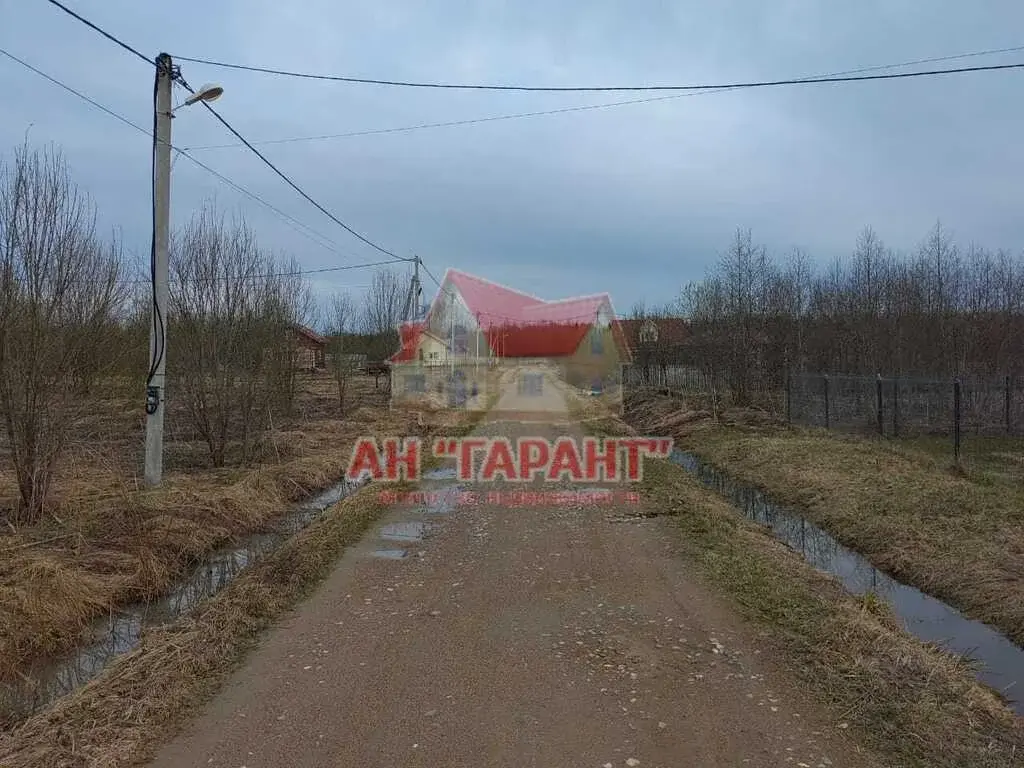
474,320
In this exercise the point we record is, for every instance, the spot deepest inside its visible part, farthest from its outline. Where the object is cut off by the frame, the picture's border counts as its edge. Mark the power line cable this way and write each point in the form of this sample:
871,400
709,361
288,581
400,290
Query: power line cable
593,89
299,272
292,184
298,226
589,107
237,135
220,176
103,32
159,327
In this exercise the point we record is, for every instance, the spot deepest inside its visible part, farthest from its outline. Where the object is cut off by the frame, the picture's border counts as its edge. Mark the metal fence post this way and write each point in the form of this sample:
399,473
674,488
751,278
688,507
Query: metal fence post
1006,406
895,406
956,420
827,419
878,398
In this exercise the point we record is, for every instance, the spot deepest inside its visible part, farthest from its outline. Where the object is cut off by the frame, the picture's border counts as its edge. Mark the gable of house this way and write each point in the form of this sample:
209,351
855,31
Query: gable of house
479,317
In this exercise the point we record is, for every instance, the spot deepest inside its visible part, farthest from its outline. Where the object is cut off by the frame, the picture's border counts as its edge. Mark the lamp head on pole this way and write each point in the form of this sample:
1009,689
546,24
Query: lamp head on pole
209,92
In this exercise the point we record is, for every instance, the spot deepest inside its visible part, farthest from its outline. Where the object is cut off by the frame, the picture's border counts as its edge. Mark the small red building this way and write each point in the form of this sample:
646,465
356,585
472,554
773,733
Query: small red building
310,349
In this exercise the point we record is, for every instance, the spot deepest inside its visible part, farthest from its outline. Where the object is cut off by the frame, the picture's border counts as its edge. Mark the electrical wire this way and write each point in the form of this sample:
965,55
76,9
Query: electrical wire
292,184
593,89
589,107
294,273
303,229
103,32
213,172
158,329
237,135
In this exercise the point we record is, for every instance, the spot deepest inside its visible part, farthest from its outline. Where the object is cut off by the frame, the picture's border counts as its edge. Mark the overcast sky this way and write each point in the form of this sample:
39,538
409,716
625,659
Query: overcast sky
635,200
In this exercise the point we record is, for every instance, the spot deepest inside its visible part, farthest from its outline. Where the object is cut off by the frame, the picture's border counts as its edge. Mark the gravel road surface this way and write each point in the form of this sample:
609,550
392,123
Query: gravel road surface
529,636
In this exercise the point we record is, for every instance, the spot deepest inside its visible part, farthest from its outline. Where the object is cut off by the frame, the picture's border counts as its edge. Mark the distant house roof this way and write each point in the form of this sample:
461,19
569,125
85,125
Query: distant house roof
311,335
409,334
670,331
517,324
491,303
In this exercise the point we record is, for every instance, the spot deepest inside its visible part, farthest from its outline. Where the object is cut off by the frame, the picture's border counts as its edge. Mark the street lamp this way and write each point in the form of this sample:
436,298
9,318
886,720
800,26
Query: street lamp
165,76
209,92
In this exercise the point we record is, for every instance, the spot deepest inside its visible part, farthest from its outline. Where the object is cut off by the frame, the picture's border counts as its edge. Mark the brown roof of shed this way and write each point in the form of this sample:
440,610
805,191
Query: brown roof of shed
310,334
671,330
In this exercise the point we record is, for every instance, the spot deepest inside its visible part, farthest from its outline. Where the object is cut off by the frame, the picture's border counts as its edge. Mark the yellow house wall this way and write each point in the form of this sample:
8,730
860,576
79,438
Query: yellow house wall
430,346
582,367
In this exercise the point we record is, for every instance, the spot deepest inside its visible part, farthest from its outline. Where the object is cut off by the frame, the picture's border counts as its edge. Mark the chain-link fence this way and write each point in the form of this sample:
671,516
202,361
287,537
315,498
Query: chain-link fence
907,406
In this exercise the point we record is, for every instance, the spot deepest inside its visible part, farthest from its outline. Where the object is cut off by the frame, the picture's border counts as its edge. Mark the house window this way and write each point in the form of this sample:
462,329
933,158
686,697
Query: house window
596,341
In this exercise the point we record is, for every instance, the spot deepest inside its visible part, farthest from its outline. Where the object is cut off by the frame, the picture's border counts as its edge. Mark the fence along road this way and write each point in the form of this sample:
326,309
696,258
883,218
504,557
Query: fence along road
890,406
529,636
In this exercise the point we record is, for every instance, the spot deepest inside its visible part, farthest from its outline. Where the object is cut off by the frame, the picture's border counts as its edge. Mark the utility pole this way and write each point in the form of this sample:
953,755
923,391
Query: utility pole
158,329
412,299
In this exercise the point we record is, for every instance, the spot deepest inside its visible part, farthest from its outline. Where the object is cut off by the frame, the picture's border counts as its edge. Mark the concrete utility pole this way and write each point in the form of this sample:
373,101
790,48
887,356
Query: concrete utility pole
411,311
161,234
165,76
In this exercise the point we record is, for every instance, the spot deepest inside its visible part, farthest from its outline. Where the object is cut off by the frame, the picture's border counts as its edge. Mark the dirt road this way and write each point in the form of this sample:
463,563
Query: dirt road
514,636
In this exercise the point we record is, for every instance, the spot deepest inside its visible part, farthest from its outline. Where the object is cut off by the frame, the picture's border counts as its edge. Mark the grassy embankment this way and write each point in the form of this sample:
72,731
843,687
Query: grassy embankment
910,702
954,532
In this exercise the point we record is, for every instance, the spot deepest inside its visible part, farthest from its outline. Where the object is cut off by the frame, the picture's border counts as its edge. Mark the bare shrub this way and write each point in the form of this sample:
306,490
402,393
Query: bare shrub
233,312
61,292
341,363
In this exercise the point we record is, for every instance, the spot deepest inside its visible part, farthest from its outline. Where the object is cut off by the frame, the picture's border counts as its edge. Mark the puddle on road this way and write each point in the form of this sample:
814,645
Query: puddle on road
410,531
391,554
929,619
440,501
444,473
121,631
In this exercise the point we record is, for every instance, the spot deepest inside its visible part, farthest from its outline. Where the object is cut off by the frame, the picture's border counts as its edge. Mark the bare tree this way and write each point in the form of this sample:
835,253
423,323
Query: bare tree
382,311
340,317
61,291
234,309
931,313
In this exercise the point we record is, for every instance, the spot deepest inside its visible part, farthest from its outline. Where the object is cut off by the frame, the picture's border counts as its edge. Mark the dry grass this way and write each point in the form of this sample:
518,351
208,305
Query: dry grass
958,535
119,718
911,702
145,696
110,542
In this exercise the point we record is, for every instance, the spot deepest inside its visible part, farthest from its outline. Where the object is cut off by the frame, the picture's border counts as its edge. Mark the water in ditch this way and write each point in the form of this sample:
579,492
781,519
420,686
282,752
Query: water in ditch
113,635
1000,661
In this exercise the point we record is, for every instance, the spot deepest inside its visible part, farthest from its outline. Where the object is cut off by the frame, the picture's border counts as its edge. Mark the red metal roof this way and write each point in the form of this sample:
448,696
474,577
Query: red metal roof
493,304
517,324
410,334
539,340
581,310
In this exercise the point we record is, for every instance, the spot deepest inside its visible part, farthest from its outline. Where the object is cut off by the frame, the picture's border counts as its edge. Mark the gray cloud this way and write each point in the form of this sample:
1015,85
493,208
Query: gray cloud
635,200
